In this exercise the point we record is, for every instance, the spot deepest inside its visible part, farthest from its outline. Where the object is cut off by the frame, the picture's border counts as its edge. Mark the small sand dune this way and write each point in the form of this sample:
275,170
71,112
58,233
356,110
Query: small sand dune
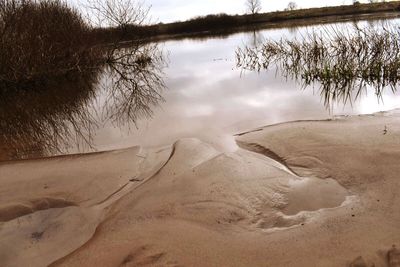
315,193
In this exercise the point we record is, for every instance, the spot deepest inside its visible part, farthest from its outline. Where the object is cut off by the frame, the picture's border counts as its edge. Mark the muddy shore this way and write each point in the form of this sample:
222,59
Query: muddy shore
305,193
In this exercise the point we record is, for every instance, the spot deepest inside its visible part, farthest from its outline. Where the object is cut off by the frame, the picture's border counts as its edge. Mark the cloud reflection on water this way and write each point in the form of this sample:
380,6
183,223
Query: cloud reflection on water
210,99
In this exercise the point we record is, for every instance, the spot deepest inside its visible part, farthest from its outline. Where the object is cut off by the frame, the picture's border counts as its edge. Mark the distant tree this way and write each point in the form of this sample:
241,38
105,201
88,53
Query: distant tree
291,6
253,6
356,2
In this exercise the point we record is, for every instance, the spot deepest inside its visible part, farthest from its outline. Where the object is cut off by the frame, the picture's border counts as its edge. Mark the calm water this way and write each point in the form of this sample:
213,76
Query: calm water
208,97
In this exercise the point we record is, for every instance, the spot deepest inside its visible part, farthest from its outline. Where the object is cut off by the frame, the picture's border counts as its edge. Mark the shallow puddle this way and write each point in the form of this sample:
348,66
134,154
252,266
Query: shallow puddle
311,194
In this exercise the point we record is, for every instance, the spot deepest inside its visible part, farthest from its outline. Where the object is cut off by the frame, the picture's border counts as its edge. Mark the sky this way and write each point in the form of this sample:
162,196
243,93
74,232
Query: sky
179,10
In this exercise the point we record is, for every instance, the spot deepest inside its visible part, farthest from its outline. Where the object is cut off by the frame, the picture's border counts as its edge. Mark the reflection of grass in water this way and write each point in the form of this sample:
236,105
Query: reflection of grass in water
47,116
342,63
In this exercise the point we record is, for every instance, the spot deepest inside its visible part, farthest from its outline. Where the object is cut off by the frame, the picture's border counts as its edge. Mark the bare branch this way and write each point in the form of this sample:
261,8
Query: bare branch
118,13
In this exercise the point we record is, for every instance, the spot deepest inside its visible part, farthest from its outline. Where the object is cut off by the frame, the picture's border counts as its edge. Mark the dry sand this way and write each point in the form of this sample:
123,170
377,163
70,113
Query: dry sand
307,193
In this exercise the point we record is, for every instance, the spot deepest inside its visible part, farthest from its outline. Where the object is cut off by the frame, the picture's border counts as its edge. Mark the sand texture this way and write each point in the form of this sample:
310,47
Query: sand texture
307,193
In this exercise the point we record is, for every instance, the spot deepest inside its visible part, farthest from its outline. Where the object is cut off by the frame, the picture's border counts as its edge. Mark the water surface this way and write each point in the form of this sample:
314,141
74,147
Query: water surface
208,97
205,96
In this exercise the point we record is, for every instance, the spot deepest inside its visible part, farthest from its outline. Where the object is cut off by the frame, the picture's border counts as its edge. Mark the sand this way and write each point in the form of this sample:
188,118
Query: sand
306,193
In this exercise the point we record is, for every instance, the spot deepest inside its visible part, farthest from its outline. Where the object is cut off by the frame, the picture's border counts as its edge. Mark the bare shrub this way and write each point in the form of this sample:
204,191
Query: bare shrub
40,39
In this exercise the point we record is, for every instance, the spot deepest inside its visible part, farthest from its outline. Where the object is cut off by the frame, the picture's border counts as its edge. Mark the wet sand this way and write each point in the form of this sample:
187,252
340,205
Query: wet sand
306,193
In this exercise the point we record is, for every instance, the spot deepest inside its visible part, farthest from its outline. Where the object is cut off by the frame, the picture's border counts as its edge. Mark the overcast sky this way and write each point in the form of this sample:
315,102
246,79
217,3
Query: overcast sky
175,10
179,10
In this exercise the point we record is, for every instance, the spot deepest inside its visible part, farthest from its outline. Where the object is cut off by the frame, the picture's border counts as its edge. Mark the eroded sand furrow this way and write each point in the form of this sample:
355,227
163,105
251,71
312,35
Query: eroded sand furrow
11,211
133,184
47,222
257,148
